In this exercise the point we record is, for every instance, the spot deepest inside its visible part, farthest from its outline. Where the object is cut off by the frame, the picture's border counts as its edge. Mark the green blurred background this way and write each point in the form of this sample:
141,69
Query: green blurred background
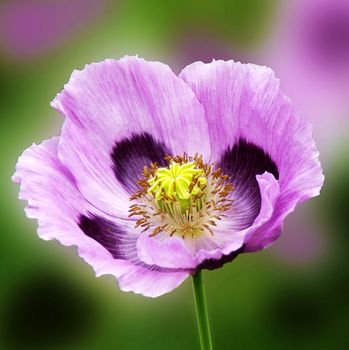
291,296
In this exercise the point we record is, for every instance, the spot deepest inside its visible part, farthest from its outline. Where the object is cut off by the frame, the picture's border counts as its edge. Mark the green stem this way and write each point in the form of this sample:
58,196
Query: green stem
201,312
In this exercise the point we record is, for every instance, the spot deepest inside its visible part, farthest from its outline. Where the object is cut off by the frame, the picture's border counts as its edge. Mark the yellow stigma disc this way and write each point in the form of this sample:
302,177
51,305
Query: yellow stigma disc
177,182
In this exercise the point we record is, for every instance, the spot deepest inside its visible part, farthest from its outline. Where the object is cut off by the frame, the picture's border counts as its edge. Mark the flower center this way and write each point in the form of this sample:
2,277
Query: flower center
186,198
182,183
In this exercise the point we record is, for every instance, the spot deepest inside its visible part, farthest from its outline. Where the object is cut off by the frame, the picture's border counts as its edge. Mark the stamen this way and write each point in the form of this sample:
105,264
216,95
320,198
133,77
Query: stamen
186,198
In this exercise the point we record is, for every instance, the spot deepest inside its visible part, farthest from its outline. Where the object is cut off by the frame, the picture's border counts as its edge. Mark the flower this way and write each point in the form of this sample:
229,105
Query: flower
310,53
155,176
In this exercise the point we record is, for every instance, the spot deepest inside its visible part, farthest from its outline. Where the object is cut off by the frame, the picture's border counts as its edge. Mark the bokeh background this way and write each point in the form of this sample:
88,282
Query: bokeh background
293,295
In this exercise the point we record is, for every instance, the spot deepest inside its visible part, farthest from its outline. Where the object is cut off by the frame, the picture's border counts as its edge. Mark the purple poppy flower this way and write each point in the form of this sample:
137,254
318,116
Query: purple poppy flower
155,176
310,53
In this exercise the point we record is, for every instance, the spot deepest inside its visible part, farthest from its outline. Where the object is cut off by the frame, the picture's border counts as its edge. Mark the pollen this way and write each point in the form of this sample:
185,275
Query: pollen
187,198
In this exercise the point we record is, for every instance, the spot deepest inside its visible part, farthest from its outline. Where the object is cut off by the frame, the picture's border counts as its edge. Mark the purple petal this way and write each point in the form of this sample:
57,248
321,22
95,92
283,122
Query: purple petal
244,102
148,282
111,101
169,253
62,211
189,253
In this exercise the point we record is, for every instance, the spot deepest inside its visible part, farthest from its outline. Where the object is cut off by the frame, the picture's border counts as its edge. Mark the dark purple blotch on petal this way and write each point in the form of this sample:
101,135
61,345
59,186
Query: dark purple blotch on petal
111,236
242,162
119,243
130,155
